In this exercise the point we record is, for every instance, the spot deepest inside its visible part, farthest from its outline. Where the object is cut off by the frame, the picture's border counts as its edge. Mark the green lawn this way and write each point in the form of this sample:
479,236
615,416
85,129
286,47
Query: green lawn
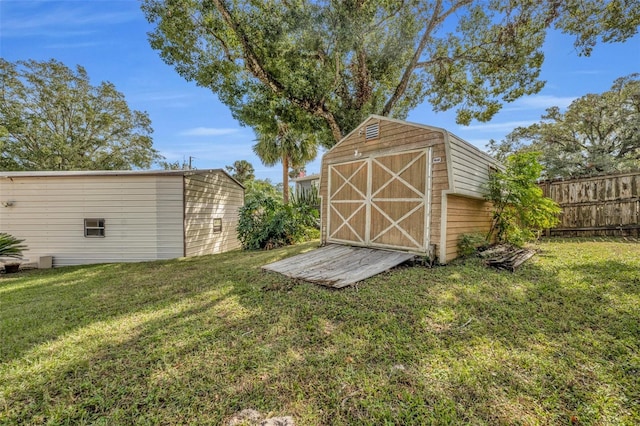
197,340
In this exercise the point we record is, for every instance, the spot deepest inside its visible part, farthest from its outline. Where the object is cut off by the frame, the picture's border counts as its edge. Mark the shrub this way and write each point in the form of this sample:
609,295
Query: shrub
267,223
468,244
11,246
308,197
521,211
307,204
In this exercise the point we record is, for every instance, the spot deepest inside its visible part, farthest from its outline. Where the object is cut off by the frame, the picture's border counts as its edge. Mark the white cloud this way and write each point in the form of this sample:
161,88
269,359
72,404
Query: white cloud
208,131
546,101
54,20
158,99
493,127
161,96
587,72
479,143
79,45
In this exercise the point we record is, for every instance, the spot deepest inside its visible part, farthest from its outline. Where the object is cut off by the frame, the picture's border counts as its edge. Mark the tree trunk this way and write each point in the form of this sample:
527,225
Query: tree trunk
285,179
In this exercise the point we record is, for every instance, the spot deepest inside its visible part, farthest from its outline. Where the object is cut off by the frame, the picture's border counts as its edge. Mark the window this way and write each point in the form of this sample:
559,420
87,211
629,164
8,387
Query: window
217,225
94,228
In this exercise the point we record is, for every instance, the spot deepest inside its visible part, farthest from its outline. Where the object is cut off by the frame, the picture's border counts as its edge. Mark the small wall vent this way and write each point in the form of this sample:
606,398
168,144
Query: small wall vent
372,131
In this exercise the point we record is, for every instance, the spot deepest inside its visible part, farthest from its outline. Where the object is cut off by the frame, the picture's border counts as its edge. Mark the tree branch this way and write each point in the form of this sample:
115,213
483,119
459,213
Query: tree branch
435,20
251,60
255,67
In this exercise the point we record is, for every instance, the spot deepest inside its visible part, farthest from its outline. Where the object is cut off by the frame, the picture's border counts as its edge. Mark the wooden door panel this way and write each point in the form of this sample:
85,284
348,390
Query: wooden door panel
400,197
348,222
381,201
399,224
348,202
348,181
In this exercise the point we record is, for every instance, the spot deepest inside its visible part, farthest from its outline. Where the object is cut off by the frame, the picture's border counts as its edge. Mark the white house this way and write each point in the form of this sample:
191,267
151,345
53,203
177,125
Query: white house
305,183
121,216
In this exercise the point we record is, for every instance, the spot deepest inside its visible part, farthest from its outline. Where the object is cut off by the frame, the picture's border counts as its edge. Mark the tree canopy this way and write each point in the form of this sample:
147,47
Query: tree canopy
598,133
281,143
242,171
326,65
52,118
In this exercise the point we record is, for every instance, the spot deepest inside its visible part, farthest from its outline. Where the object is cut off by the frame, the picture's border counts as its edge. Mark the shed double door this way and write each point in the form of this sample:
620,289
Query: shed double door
381,201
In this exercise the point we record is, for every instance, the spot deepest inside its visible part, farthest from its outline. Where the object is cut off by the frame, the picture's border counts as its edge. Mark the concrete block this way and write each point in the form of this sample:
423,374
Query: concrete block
45,262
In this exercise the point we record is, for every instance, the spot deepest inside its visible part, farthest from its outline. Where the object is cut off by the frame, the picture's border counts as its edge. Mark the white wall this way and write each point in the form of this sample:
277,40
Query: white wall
208,196
143,215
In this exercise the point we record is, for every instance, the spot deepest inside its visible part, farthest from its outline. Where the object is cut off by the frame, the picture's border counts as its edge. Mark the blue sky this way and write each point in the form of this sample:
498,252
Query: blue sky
109,39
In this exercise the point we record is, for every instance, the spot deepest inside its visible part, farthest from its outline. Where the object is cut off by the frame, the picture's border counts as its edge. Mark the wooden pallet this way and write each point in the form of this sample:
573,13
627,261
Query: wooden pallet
506,257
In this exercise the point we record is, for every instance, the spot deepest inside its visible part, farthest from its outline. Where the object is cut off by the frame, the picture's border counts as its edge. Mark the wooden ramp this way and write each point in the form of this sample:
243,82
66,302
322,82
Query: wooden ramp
337,265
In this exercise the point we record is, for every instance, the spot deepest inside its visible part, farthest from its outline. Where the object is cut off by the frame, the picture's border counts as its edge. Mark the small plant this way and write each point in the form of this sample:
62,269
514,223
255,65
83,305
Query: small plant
306,204
307,196
11,246
468,244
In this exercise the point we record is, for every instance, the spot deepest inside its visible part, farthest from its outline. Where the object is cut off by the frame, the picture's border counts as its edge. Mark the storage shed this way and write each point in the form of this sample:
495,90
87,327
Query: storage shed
404,186
121,216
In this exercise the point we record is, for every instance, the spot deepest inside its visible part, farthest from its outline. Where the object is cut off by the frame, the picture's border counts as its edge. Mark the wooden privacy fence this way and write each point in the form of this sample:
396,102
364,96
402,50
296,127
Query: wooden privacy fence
597,206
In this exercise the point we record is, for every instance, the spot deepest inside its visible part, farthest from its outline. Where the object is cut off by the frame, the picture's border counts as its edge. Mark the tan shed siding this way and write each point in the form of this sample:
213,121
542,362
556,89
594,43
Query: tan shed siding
458,174
439,184
464,215
140,224
470,167
209,196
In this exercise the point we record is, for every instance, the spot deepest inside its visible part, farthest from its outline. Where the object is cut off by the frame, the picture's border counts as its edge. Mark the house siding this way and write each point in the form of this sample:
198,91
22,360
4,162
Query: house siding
143,217
208,196
464,216
469,167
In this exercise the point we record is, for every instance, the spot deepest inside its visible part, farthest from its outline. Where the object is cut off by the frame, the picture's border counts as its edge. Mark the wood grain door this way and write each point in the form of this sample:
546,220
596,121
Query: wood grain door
348,183
382,201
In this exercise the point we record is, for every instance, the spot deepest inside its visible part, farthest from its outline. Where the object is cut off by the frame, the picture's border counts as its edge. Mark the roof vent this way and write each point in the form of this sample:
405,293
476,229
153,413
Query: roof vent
372,131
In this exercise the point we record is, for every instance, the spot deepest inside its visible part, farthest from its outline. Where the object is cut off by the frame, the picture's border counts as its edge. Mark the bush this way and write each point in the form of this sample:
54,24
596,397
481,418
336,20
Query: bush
469,244
307,206
10,246
521,211
267,223
308,197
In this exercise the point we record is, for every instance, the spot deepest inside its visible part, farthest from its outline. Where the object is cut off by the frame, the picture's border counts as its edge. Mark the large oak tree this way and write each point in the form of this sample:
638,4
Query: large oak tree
328,64
598,133
52,118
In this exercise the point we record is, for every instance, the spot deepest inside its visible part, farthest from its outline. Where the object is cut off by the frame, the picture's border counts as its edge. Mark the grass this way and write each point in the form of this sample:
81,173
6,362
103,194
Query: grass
197,340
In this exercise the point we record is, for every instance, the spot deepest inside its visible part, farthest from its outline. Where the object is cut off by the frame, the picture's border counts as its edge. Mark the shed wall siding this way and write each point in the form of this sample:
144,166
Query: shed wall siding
143,217
464,216
209,196
469,166
459,173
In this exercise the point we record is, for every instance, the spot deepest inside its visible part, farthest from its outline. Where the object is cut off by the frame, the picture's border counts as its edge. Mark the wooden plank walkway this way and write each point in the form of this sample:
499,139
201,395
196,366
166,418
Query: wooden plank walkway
337,265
